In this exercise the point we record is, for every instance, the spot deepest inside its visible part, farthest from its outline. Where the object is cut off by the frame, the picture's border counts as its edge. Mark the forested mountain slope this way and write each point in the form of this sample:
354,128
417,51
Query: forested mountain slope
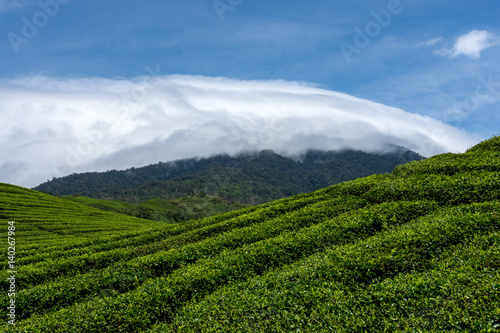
250,178
414,250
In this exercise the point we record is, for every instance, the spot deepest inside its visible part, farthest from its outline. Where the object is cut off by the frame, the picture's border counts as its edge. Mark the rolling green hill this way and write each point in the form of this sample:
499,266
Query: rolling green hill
251,178
170,211
416,250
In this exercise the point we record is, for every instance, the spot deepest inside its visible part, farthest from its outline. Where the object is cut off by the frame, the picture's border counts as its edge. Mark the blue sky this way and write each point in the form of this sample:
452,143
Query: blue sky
291,40
434,58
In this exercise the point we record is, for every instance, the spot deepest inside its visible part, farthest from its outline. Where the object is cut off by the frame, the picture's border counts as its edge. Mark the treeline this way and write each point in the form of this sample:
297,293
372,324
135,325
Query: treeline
250,178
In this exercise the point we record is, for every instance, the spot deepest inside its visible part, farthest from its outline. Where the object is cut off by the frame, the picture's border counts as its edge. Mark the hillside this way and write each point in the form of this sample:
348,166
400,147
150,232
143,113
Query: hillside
170,211
414,250
251,178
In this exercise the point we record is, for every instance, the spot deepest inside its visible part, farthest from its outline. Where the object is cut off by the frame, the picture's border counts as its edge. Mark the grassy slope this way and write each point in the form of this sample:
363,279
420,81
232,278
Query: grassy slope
416,250
45,217
171,211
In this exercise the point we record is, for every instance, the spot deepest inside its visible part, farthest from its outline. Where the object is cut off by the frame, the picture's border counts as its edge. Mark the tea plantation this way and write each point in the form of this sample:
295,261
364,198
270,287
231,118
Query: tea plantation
417,250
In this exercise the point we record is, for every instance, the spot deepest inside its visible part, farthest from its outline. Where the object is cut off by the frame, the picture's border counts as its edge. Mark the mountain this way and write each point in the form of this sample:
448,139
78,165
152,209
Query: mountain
250,178
414,250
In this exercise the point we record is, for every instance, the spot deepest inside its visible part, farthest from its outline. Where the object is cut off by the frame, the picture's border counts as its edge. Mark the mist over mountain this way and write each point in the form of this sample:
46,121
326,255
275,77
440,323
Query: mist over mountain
251,177
53,127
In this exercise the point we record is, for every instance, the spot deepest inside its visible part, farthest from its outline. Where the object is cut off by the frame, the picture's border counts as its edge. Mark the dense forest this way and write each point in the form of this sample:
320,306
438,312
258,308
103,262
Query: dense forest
250,178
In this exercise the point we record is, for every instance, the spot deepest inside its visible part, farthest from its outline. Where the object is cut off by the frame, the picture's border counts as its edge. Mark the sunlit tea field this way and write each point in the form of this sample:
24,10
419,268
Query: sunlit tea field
414,250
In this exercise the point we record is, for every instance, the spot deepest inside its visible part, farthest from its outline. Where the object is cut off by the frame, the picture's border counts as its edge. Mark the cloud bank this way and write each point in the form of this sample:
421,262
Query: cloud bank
471,45
50,127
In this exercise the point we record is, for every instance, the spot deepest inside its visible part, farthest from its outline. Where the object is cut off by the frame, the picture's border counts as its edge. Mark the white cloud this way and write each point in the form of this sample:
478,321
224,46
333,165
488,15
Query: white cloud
52,127
471,45
430,42
9,4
